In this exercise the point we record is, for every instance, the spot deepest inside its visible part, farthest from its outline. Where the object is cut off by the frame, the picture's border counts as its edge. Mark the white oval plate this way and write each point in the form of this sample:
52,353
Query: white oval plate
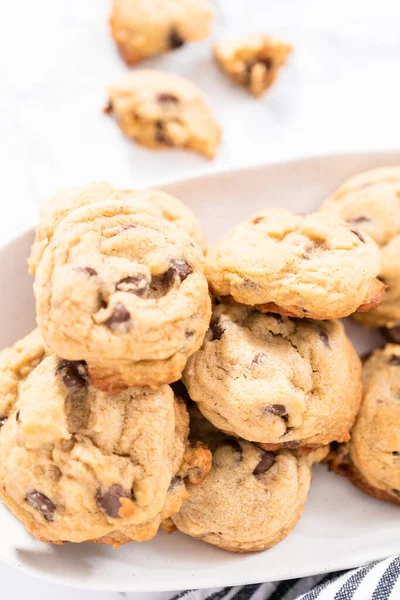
340,528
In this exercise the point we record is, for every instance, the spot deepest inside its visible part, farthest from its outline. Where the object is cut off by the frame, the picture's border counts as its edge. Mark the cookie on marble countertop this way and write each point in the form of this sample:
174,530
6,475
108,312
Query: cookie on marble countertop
275,380
253,61
162,110
125,292
314,265
371,459
156,202
143,28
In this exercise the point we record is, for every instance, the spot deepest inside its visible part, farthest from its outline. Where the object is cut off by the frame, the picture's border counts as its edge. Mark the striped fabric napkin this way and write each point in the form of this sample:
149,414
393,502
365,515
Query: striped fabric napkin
377,581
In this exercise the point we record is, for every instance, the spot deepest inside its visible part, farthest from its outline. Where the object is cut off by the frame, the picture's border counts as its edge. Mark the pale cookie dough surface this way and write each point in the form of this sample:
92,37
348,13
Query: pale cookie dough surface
16,363
78,464
276,380
314,265
155,202
142,28
164,110
125,292
371,202
253,60
250,500
374,450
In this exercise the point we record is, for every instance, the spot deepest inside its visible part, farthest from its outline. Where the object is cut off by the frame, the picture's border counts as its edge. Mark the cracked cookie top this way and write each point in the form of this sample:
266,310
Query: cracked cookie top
155,202
314,265
143,29
164,110
78,464
370,201
276,380
123,291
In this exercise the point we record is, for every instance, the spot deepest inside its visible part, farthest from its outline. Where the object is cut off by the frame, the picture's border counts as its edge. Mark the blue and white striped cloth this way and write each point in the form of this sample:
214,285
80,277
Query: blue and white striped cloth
377,581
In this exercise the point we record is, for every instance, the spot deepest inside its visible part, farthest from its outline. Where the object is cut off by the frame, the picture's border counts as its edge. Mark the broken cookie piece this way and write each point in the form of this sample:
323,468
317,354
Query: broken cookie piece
163,110
253,60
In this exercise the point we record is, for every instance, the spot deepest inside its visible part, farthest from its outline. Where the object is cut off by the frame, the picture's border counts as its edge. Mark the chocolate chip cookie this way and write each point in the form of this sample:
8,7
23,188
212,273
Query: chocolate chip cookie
314,265
156,202
370,202
144,28
276,380
123,291
251,499
162,110
15,365
372,457
77,464
253,61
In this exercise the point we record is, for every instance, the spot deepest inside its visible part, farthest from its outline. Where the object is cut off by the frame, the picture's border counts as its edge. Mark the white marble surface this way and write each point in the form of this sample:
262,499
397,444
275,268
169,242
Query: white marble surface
340,92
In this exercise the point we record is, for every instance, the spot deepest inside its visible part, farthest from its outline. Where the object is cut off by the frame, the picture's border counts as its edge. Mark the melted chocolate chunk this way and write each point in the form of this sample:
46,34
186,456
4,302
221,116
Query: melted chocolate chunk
109,499
189,334
276,409
89,270
136,284
166,97
179,268
175,39
324,337
217,329
41,503
119,315
266,461
74,373
395,491
17,414
358,234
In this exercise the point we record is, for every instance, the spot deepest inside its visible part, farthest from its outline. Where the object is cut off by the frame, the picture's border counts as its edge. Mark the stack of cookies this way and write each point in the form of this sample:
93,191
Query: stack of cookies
141,401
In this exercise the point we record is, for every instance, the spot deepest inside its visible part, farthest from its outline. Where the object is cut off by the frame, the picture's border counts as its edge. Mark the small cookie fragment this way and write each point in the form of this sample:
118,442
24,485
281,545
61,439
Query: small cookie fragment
314,265
370,202
145,28
253,61
371,459
162,110
120,289
274,380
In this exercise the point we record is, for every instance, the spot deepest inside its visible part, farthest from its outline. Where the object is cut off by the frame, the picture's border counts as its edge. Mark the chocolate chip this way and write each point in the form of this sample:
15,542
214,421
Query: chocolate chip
358,234
17,414
179,268
108,109
174,481
160,135
109,500
392,333
291,444
119,315
175,39
41,503
395,453
265,463
324,337
189,334
259,358
89,270
217,329
395,491
167,97
2,421
276,409
394,360
358,220
136,284
257,220
74,373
